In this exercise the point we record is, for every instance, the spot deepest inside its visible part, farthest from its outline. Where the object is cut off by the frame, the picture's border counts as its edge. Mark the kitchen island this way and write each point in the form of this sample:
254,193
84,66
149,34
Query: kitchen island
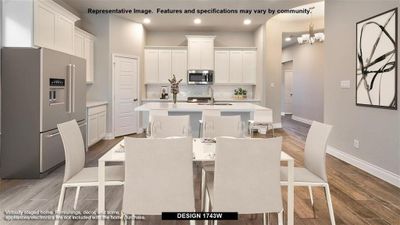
245,110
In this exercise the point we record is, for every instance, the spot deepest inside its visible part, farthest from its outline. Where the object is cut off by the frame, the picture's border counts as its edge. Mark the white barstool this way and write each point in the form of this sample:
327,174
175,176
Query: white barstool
207,112
262,118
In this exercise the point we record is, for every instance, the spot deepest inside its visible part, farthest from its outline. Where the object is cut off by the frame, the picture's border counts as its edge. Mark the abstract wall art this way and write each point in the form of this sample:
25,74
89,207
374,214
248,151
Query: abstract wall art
376,73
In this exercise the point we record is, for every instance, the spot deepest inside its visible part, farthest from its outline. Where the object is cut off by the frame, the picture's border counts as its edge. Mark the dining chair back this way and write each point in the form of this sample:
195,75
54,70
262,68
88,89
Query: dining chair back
170,126
247,177
74,148
158,176
217,126
315,149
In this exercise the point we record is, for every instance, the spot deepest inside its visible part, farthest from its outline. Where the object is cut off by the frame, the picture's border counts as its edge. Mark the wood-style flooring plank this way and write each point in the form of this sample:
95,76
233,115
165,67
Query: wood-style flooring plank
358,198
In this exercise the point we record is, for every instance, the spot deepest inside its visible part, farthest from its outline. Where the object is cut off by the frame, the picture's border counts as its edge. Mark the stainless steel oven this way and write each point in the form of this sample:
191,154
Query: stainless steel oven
200,77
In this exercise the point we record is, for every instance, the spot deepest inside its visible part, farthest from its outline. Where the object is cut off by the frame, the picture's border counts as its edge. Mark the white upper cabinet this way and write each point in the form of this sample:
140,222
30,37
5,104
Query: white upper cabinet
79,44
179,64
249,66
221,67
200,52
160,64
44,27
151,65
84,48
236,66
64,35
54,26
164,65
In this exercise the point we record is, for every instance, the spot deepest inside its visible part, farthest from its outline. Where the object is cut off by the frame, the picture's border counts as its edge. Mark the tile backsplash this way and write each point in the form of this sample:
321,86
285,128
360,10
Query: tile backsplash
153,91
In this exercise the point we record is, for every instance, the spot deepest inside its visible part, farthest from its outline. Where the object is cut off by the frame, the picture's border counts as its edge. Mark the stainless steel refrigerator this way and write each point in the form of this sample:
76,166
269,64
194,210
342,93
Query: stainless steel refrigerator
40,89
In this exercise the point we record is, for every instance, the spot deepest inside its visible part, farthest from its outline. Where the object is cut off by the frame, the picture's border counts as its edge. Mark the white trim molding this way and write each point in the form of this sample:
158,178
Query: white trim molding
301,119
374,170
277,125
109,136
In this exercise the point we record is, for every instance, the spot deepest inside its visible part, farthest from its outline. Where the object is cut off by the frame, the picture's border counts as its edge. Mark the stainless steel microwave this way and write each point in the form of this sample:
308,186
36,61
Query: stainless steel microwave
200,77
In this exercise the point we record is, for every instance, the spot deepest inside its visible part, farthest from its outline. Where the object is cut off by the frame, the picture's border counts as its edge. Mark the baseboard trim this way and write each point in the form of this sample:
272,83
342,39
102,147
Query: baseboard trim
374,170
301,119
109,136
277,125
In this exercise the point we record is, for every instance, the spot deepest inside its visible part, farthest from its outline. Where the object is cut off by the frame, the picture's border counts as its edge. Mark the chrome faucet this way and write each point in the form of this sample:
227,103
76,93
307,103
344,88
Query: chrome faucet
210,88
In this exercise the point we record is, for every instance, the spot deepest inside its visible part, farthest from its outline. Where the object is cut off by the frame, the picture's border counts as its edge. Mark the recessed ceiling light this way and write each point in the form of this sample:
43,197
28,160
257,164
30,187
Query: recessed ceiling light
246,21
287,39
197,21
146,20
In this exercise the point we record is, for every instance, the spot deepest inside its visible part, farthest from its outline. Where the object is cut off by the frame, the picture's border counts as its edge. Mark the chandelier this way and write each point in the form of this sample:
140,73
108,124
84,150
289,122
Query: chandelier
311,37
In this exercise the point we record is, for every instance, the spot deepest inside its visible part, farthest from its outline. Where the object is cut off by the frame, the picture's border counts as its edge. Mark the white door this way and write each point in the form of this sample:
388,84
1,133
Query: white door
126,120
288,91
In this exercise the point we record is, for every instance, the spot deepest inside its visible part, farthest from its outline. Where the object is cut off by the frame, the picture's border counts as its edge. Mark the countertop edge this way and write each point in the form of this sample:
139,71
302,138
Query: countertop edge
90,104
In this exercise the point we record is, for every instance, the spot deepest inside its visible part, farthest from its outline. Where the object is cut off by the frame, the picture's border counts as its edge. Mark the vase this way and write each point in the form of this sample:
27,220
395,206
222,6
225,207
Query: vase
174,98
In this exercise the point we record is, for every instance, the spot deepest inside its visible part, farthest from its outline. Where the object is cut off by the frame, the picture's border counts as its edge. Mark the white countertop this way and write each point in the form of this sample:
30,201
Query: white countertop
217,100
90,104
194,107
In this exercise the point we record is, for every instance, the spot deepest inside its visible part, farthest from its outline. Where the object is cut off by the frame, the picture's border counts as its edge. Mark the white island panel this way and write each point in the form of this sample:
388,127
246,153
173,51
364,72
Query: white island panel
195,107
194,110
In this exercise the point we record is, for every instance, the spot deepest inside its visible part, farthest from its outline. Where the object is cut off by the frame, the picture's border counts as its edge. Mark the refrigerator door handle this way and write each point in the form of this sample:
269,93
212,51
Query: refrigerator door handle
52,135
82,125
73,87
69,74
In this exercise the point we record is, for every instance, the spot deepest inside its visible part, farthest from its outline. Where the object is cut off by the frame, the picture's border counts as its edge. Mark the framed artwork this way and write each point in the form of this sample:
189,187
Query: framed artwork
376,67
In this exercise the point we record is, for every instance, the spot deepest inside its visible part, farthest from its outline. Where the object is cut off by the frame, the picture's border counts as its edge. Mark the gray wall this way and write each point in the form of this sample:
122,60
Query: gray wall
177,38
378,130
259,36
308,80
113,35
273,58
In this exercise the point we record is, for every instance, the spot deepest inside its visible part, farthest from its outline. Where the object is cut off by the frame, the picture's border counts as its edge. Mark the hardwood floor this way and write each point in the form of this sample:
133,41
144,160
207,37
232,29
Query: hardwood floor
358,198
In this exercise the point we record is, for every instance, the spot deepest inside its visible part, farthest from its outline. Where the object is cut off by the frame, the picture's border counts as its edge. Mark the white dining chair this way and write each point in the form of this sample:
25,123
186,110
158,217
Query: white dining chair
262,118
314,172
152,113
217,126
158,177
207,112
170,126
246,178
75,174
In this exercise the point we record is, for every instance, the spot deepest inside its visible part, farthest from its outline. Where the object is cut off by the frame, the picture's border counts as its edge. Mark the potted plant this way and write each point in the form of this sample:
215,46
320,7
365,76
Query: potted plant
174,87
240,93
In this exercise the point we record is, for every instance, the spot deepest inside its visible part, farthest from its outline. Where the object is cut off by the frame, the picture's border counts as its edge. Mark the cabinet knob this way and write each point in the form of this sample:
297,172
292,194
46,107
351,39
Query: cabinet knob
135,99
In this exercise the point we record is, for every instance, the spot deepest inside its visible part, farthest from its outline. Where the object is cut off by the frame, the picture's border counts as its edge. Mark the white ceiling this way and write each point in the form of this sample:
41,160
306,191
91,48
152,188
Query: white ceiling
182,22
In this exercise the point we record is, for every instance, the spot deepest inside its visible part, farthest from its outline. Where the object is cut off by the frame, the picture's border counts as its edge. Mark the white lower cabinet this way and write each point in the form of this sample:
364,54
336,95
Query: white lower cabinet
97,123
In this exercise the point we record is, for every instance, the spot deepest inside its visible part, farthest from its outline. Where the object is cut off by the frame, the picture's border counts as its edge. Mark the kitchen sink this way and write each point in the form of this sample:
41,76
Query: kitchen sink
216,103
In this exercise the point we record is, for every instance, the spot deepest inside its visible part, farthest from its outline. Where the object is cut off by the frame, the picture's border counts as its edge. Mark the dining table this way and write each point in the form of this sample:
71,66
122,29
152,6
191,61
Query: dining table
202,152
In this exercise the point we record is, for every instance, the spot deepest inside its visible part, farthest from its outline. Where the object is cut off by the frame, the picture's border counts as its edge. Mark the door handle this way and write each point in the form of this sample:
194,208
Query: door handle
135,99
52,135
